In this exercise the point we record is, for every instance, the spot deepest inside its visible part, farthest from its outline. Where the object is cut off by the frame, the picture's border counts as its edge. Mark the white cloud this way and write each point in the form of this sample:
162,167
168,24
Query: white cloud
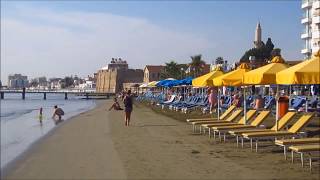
52,43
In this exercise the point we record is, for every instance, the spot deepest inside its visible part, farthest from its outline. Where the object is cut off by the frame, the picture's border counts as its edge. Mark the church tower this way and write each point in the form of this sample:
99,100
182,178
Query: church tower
257,37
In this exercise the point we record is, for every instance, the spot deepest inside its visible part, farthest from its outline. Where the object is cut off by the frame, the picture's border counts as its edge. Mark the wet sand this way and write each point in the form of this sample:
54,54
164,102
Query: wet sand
97,145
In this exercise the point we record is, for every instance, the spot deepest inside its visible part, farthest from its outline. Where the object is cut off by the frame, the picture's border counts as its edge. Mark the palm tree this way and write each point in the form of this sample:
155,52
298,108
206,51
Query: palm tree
171,70
197,64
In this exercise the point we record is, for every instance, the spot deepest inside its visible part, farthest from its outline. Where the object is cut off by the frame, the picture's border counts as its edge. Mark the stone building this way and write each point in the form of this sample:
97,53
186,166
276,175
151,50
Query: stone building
152,73
110,79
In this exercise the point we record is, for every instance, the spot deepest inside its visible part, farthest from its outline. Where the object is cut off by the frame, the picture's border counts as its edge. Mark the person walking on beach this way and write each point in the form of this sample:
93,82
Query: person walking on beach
212,99
127,100
57,112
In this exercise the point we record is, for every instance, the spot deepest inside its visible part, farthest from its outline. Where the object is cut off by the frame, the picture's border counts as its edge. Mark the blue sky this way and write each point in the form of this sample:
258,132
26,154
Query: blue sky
84,35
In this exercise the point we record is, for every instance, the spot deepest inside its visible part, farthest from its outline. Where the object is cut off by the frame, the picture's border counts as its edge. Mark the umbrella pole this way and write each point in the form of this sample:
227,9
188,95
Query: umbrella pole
218,104
277,108
245,105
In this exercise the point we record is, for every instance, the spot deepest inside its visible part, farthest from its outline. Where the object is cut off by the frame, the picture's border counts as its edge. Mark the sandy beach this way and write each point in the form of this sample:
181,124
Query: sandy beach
97,145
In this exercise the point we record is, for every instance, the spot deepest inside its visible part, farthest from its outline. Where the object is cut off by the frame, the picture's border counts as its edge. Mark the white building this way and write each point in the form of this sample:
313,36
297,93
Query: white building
311,27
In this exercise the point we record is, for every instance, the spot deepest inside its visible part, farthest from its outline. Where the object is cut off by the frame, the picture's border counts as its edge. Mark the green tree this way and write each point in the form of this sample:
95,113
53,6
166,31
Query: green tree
275,52
67,82
197,64
171,70
261,54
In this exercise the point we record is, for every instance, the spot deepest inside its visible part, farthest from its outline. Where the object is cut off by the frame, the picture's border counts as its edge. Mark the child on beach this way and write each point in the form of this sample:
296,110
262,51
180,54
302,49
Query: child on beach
57,112
127,100
40,115
115,105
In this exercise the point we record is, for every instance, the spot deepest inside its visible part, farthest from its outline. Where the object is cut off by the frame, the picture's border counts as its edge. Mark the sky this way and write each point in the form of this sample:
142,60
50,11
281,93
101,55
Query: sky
63,38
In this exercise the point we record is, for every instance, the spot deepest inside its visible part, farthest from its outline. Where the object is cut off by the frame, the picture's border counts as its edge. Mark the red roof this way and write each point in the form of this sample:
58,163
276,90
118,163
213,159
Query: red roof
152,68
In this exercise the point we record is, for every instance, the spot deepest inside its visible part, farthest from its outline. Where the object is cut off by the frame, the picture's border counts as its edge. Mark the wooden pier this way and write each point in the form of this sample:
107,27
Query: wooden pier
86,95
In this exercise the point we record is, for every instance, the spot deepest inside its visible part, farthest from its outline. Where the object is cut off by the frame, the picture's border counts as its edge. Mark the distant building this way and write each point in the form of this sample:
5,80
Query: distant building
17,81
42,81
55,83
110,78
258,36
311,27
152,73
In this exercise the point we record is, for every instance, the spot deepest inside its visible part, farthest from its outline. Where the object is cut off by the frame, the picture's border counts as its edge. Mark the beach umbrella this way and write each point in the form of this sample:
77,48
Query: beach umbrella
233,78
306,72
143,85
266,75
206,80
165,81
152,84
186,81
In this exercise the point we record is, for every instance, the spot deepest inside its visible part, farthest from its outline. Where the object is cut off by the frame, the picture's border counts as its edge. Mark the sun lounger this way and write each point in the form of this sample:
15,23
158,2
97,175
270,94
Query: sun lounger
303,121
283,122
222,117
229,119
289,142
255,123
250,115
305,149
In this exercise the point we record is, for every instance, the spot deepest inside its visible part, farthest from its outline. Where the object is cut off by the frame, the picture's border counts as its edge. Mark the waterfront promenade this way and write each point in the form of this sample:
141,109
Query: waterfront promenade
97,145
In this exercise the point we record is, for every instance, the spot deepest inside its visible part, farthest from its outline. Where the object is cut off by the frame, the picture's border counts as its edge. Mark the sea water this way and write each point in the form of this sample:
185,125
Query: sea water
20,121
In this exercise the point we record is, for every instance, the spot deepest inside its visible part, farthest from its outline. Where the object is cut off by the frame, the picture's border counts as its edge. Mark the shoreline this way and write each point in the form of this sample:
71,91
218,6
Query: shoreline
13,163
97,145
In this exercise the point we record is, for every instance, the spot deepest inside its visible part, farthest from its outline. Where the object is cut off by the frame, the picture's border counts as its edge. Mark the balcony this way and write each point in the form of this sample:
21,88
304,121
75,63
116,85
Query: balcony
315,20
316,4
316,34
306,4
305,51
305,35
306,20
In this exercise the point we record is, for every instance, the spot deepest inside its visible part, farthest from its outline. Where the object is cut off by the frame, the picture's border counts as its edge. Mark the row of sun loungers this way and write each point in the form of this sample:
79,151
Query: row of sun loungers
228,125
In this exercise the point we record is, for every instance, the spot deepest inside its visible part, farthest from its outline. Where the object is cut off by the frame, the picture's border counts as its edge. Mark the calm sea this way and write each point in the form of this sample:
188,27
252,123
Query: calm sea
20,125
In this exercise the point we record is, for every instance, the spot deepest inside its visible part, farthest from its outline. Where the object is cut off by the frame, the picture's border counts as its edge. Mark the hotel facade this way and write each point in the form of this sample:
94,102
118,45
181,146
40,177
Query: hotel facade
311,27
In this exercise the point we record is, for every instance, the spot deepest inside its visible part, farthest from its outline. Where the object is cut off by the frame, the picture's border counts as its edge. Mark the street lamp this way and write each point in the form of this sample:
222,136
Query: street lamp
182,69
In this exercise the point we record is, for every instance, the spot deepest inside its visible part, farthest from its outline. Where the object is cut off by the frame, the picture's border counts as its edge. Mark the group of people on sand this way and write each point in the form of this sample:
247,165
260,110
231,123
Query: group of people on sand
128,105
237,100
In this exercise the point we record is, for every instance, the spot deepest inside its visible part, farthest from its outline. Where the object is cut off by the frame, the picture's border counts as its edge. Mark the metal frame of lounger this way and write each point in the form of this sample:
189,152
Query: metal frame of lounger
257,121
283,122
250,115
230,118
228,121
309,149
292,142
291,132
223,116
235,114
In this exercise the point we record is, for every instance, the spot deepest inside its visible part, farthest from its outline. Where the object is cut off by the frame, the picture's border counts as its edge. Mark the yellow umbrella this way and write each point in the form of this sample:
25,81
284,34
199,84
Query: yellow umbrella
265,74
206,80
233,78
306,72
152,84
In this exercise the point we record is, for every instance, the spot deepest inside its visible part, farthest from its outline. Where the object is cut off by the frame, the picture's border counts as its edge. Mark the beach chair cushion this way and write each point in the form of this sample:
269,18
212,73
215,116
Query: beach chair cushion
302,121
297,141
284,120
305,148
223,116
